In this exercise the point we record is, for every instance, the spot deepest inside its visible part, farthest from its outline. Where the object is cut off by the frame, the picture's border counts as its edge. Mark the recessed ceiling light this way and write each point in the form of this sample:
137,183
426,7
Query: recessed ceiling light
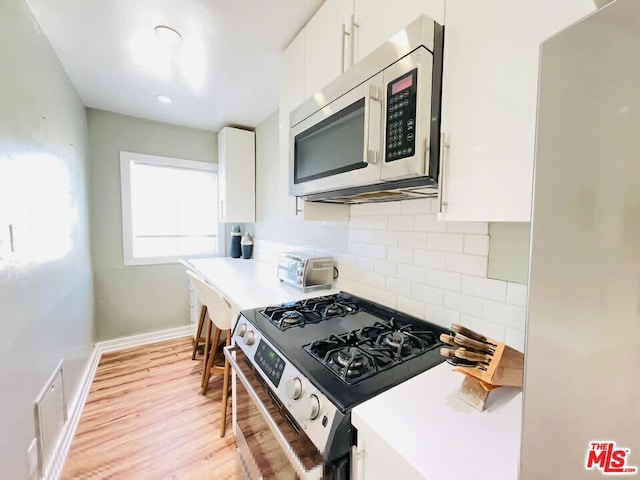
168,34
164,99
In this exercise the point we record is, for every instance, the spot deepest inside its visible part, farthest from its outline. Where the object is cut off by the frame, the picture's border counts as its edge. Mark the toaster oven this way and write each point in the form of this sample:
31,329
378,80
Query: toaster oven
306,271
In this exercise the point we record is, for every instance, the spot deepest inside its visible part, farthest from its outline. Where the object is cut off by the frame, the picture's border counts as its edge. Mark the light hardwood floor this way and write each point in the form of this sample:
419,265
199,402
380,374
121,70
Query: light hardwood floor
146,419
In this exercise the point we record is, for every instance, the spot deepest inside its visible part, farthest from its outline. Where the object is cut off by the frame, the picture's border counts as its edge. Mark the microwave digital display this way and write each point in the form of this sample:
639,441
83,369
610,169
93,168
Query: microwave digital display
402,84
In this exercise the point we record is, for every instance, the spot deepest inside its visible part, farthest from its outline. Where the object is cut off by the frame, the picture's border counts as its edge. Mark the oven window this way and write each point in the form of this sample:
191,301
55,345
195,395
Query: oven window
332,146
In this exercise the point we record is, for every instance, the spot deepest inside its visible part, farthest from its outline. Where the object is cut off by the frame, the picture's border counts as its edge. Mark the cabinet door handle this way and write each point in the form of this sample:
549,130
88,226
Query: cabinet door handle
354,25
222,210
345,34
298,209
444,157
373,119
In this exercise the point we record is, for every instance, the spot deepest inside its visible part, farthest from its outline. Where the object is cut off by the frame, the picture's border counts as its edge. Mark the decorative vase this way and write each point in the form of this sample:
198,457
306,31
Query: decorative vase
234,245
247,246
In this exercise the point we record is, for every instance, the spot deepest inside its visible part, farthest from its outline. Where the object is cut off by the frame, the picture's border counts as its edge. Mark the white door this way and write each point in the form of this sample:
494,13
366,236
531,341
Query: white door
327,43
379,20
489,103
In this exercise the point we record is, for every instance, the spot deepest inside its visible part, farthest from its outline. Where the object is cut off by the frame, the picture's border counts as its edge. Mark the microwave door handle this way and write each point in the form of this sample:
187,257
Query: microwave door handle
373,126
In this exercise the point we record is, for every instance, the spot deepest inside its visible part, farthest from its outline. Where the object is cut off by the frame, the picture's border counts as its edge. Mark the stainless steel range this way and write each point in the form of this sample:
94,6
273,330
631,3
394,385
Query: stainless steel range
302,367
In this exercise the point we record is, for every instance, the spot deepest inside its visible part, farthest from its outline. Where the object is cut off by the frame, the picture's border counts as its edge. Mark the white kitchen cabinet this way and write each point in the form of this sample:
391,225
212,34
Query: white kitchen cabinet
236,175
292,94
327,39
489,103
378,20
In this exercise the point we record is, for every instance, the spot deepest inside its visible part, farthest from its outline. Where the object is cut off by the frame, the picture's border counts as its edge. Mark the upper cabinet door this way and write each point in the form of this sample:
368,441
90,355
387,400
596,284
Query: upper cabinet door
327,44
378,20
489,103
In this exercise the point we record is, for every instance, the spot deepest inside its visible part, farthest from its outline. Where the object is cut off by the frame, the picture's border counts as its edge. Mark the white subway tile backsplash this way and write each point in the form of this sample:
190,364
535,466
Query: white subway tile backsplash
483,327
412,273
401,287
480,228
361,235
484,287
429,223
386,237
417,206
384,297
470,264
357,248
374,279
445,242
411,306
476,244
515,338
400,254
445,280
504,314
402,257
441,316
401,223
376,251
462,303
377,222
385,268
364,263
432,295
412,239
517,294
430,258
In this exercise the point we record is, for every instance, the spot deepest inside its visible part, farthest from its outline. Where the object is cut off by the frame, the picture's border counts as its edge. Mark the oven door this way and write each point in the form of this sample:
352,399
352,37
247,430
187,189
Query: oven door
339,146
270,443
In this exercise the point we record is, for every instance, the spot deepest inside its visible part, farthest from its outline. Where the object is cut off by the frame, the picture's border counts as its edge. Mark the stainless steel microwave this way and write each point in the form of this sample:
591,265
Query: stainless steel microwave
373,134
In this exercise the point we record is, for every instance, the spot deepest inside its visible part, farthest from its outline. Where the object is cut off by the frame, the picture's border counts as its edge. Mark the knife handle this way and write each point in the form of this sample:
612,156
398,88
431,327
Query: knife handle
448,352
465,341
467,332
472,356
448,339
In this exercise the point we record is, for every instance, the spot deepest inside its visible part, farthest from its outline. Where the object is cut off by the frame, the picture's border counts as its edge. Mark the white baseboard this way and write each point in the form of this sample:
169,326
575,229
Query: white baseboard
59,455
123,343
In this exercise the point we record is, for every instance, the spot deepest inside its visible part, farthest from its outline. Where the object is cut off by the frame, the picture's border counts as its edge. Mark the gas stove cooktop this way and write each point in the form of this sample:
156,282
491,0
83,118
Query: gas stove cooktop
351,349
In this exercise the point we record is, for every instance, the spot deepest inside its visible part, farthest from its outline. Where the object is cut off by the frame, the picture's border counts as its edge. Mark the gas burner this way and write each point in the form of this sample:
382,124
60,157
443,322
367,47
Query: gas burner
351,357
291,317
397,339
338,309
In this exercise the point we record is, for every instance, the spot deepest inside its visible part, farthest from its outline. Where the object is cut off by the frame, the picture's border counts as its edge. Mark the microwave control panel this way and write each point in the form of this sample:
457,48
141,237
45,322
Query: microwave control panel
401,117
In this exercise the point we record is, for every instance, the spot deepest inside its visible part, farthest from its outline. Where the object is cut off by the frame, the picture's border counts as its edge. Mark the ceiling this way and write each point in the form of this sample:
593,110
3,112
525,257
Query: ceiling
224,71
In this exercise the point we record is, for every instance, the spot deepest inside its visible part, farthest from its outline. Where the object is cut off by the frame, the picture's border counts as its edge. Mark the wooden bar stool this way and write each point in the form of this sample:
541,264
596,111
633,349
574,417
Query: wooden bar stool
218,310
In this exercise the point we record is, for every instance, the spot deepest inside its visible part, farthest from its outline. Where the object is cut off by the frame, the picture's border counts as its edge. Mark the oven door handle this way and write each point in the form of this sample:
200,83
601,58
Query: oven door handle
316,472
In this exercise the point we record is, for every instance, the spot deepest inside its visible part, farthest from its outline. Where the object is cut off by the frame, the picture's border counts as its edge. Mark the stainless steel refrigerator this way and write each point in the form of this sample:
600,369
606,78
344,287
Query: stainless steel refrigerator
582,374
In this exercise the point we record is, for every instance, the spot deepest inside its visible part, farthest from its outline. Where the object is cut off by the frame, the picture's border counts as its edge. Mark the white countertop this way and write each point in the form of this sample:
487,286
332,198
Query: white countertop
249,283
442,438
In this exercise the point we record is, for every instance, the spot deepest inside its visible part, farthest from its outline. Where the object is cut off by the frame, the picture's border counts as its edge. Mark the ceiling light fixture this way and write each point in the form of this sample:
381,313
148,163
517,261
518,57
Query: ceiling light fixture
164,99
168,35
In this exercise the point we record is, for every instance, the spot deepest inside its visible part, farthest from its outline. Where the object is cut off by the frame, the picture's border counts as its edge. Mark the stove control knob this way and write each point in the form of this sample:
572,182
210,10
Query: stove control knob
249,338
293,388
242,329
312,407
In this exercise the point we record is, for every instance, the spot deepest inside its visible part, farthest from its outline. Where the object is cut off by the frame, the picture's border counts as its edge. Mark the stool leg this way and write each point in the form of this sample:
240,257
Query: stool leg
207,344
212,354
203,315
225,389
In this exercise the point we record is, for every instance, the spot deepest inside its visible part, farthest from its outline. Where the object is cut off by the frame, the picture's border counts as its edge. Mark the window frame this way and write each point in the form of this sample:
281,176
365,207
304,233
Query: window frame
126,158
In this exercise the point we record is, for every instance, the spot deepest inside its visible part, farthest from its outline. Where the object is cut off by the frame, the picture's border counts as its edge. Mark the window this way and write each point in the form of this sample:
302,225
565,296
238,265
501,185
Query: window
168,209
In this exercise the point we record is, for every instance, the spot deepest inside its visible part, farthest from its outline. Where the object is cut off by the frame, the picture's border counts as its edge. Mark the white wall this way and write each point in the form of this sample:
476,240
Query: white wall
132,300
46,303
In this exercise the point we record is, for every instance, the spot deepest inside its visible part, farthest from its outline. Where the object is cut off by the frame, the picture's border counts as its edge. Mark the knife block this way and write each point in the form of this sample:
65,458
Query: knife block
505,369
